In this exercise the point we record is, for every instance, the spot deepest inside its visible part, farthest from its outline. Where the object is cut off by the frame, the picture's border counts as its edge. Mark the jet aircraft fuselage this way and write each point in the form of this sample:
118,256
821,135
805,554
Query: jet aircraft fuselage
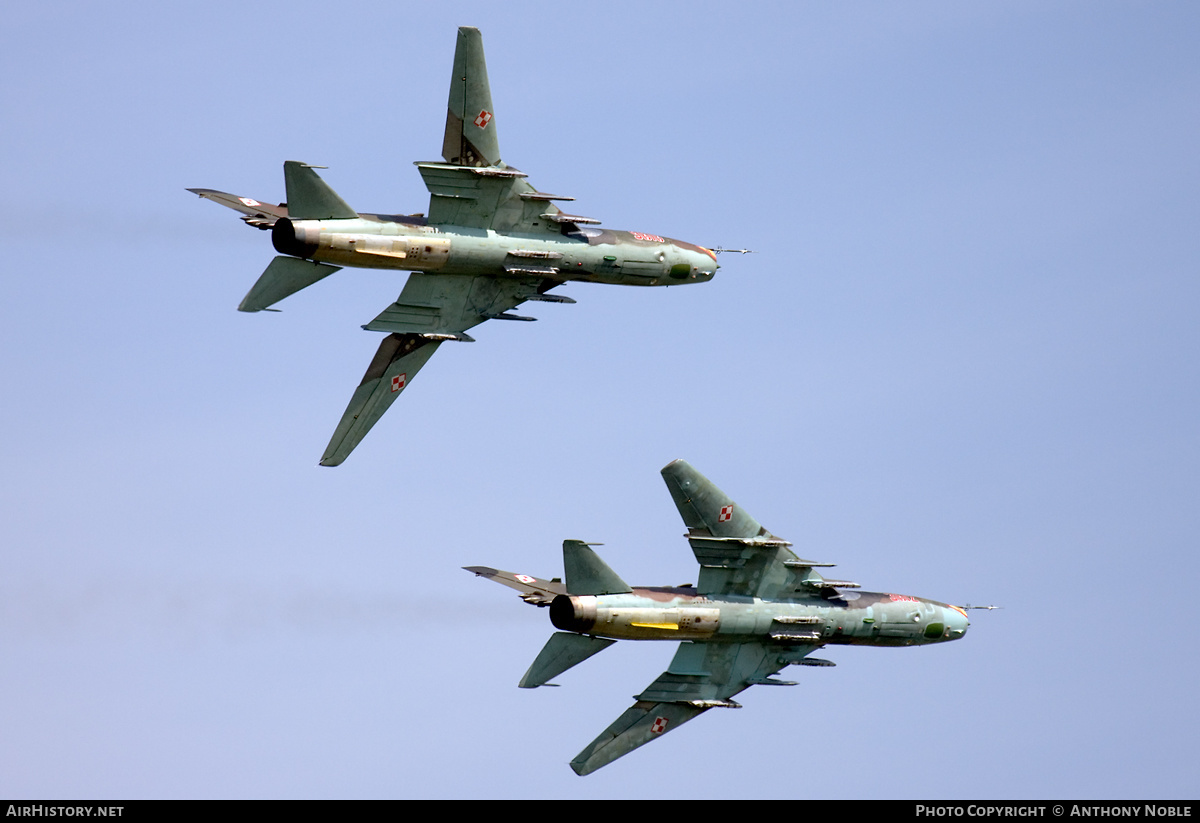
755,609
849,618
407,243
488,242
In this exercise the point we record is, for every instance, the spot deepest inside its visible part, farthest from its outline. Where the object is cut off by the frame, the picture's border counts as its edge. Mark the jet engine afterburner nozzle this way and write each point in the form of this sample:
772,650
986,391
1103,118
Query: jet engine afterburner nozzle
573,614
297,241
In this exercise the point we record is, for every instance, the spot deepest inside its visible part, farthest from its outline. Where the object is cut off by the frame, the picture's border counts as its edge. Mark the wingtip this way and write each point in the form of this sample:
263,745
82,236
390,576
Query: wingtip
675,465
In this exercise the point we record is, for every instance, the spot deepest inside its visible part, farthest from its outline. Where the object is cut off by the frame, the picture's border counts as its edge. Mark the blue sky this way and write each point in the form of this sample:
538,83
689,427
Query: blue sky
962,365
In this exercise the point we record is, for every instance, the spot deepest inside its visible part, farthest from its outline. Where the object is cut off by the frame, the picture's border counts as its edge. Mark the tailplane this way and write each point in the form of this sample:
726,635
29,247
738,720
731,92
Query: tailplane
284,276
562,651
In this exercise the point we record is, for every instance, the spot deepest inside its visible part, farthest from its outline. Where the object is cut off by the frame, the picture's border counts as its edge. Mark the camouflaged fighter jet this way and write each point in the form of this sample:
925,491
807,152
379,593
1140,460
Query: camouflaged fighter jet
491,241
755,609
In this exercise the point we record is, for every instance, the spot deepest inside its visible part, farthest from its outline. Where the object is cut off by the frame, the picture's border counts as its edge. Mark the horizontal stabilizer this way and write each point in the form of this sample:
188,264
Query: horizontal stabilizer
586,573
562,651
399,358
283,277
533,590
259,215
310,198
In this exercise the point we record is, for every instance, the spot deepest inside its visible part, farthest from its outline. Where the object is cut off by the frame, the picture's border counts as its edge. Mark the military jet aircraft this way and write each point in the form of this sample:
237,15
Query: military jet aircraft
490,242
755,609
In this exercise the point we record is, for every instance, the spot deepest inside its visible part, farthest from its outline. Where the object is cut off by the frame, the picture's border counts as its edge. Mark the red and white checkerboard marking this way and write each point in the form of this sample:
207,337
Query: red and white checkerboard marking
398,381
524,578
483,119
658,726
726,514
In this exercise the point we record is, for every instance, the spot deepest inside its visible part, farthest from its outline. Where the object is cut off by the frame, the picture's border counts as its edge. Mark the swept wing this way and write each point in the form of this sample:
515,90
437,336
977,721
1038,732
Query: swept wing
701,676
737,556
474,188
430,310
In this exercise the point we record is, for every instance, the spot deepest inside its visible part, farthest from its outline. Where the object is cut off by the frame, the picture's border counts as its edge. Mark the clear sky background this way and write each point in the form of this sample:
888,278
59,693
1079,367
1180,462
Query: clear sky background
963,365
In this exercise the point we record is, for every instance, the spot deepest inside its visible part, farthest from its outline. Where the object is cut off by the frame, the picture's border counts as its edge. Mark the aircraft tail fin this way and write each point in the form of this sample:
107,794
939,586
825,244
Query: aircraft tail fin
704,506
585,573
562,651
399,358
309,197
470,138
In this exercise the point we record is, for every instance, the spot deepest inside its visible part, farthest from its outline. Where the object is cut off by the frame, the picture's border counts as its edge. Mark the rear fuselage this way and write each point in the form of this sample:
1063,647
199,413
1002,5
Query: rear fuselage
866,618
406,243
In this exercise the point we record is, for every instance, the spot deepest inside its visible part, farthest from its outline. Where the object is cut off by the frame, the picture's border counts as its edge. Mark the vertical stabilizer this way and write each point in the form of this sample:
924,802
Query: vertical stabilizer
470,120
586,573
309,197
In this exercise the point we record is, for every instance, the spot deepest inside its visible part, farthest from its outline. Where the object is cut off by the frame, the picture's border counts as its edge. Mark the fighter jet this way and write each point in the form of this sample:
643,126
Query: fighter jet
490,242
755,609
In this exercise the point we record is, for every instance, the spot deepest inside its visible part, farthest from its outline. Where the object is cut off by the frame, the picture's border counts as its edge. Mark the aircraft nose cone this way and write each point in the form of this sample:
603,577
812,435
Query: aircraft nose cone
956,622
